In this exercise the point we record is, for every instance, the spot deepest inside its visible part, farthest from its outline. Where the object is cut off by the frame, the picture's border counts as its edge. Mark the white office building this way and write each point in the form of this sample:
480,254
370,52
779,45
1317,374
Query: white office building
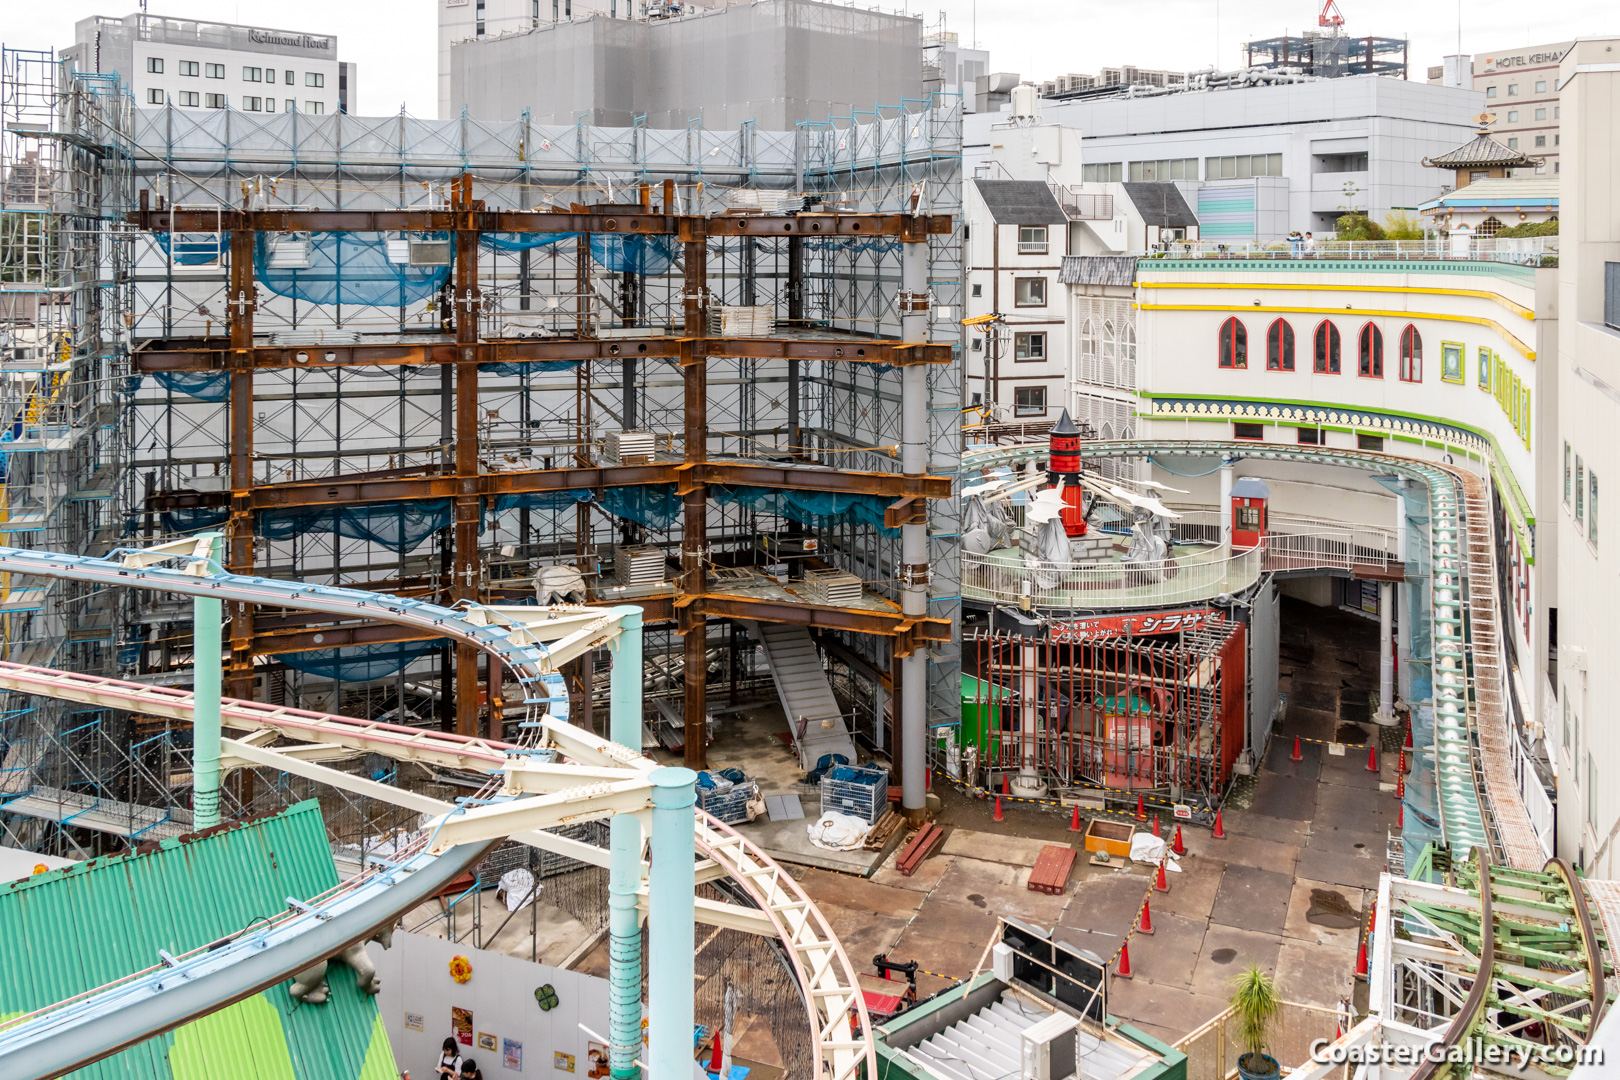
208,65
1257,161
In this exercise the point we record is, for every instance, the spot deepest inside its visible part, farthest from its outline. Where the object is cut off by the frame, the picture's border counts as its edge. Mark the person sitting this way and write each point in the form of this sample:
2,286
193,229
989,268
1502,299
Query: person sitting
449,1067
470,1070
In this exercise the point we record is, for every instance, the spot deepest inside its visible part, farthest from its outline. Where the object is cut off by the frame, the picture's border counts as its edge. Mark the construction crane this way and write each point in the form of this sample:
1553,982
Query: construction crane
1331,15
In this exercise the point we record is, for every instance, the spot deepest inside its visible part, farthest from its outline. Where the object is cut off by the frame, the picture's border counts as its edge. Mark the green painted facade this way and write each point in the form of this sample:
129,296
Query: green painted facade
71,930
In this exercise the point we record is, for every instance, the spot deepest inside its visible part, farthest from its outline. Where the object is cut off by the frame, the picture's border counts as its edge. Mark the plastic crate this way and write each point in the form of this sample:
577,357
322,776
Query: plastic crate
729,807
850,789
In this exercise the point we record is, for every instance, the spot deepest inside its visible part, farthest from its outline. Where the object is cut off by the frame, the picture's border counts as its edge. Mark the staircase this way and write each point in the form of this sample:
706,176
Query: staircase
801,684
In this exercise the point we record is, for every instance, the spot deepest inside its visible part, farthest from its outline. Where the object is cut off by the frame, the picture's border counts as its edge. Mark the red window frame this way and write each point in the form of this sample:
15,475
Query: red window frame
1280,346
1370,352
1411,354
1233,344
1327,349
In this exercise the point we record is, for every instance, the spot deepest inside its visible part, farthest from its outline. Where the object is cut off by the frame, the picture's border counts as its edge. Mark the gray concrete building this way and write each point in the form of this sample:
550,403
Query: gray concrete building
774,62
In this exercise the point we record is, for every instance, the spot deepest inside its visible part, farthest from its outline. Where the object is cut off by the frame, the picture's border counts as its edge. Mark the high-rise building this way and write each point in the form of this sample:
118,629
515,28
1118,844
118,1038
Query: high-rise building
209,65
1521,90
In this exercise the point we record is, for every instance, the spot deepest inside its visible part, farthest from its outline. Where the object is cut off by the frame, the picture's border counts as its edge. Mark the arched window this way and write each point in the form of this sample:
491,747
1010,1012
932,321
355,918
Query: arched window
1412,355
1280,346
1489,227
1370,352
1088,343
1234,344
1327,349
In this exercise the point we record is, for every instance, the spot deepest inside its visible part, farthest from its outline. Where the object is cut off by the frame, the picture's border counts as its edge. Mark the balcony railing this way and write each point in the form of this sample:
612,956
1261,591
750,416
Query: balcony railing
1527,251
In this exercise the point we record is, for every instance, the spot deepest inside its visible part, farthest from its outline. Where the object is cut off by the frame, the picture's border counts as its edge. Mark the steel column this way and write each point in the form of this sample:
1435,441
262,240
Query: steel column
695,500
240,306
206,693
467,505
624,874
670,904
1386,655
914,538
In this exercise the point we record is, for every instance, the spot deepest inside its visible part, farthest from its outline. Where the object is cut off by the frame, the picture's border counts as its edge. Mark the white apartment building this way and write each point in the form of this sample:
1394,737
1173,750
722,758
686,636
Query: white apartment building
1258,161
1521,89
1588,370
208,65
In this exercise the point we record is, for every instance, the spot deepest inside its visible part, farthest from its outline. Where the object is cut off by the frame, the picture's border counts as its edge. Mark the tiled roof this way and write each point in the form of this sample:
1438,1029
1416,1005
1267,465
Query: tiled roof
71,930
1098,270
1020,202
1161,204
1481,152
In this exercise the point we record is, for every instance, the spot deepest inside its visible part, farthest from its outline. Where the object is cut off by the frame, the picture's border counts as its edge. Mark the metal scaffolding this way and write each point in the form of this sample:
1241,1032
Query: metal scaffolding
414,356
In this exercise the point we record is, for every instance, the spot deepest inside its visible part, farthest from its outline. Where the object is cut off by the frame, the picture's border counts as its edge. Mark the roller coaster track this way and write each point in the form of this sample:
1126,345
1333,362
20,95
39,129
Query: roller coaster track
75,1033
1479,799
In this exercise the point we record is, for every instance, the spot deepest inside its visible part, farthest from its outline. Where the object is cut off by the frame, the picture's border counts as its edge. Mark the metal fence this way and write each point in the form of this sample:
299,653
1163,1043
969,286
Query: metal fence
1530,250
1201,576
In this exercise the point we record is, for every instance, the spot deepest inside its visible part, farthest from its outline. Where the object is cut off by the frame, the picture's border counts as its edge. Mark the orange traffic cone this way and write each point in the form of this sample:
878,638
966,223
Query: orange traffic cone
1141,809
1163,883
1219,833
1146,926
1006,784
1296,755
1372,758
998,809
1124,969
1178,846
1074,821
1361,960
1400,814
1409,735
1156,831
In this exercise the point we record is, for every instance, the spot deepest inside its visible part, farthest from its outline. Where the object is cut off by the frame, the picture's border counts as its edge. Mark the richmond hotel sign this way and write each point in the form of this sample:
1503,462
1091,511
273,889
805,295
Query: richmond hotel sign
295,41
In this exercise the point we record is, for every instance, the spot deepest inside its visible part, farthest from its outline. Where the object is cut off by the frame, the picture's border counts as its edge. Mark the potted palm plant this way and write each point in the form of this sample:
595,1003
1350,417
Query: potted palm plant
1255,1004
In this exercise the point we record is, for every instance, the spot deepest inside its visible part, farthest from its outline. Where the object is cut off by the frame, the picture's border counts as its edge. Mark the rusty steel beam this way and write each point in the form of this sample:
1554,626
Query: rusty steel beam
343,491
213,354
240,305
598,219
466,571
858,620
691,623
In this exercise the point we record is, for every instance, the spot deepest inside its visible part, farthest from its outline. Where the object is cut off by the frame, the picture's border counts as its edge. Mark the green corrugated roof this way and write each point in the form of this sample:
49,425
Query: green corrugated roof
74,929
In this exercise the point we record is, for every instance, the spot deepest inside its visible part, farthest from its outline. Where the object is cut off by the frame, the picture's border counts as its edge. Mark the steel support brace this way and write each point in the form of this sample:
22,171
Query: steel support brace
624,873
914,538
670,902
465,565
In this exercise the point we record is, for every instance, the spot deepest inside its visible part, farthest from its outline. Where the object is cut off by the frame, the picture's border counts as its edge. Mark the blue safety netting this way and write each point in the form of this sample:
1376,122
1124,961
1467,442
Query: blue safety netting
502,241
202,385
190,519
542,500
520,367
400,526
818,508
193,249
654,505
637,254
350,268
362,663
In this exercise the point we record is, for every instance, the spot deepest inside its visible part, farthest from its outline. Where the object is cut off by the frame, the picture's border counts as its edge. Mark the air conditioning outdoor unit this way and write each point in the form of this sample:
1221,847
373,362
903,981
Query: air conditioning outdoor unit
1050,1049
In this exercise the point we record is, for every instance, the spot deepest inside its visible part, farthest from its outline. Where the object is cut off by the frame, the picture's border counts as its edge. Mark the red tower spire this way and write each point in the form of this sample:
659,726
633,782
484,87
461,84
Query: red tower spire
1064,467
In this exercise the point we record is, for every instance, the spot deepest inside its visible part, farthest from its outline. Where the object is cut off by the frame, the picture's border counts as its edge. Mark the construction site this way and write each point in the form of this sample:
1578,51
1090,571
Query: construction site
547,573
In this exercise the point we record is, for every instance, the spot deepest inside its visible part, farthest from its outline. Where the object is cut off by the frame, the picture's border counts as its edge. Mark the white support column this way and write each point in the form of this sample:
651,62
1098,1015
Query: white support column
670,907
1386,655
1226,503
914,538
624,872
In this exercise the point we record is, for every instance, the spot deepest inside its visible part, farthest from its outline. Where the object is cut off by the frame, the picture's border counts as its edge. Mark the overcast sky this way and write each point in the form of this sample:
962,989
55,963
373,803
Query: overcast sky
393,40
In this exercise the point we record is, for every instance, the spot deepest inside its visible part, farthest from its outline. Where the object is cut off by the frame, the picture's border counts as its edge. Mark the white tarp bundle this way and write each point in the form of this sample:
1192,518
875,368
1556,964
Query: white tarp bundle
838,832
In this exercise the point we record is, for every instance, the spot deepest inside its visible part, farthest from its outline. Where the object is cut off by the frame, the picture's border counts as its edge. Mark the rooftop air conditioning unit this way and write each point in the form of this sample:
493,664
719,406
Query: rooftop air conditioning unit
1050,1049
429,253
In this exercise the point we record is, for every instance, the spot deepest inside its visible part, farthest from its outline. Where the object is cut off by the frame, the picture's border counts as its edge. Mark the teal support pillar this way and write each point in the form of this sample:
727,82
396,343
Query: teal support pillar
624,867
207,674
671,885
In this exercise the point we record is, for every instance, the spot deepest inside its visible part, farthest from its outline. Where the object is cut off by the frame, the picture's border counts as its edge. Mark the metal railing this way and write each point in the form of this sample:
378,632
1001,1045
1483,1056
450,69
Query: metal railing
1530,250
1202,576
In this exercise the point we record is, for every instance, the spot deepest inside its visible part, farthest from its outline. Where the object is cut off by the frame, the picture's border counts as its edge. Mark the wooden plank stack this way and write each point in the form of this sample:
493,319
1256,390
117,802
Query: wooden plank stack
918,848
833,588
1052,868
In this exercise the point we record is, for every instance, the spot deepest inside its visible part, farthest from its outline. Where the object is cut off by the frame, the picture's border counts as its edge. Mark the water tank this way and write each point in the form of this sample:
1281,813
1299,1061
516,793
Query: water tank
1025,99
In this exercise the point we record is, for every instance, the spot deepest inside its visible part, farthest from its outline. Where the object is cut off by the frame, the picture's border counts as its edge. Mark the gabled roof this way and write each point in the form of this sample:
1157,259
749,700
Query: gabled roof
1021,202
1161,204
1098,270
74,929
1481,152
